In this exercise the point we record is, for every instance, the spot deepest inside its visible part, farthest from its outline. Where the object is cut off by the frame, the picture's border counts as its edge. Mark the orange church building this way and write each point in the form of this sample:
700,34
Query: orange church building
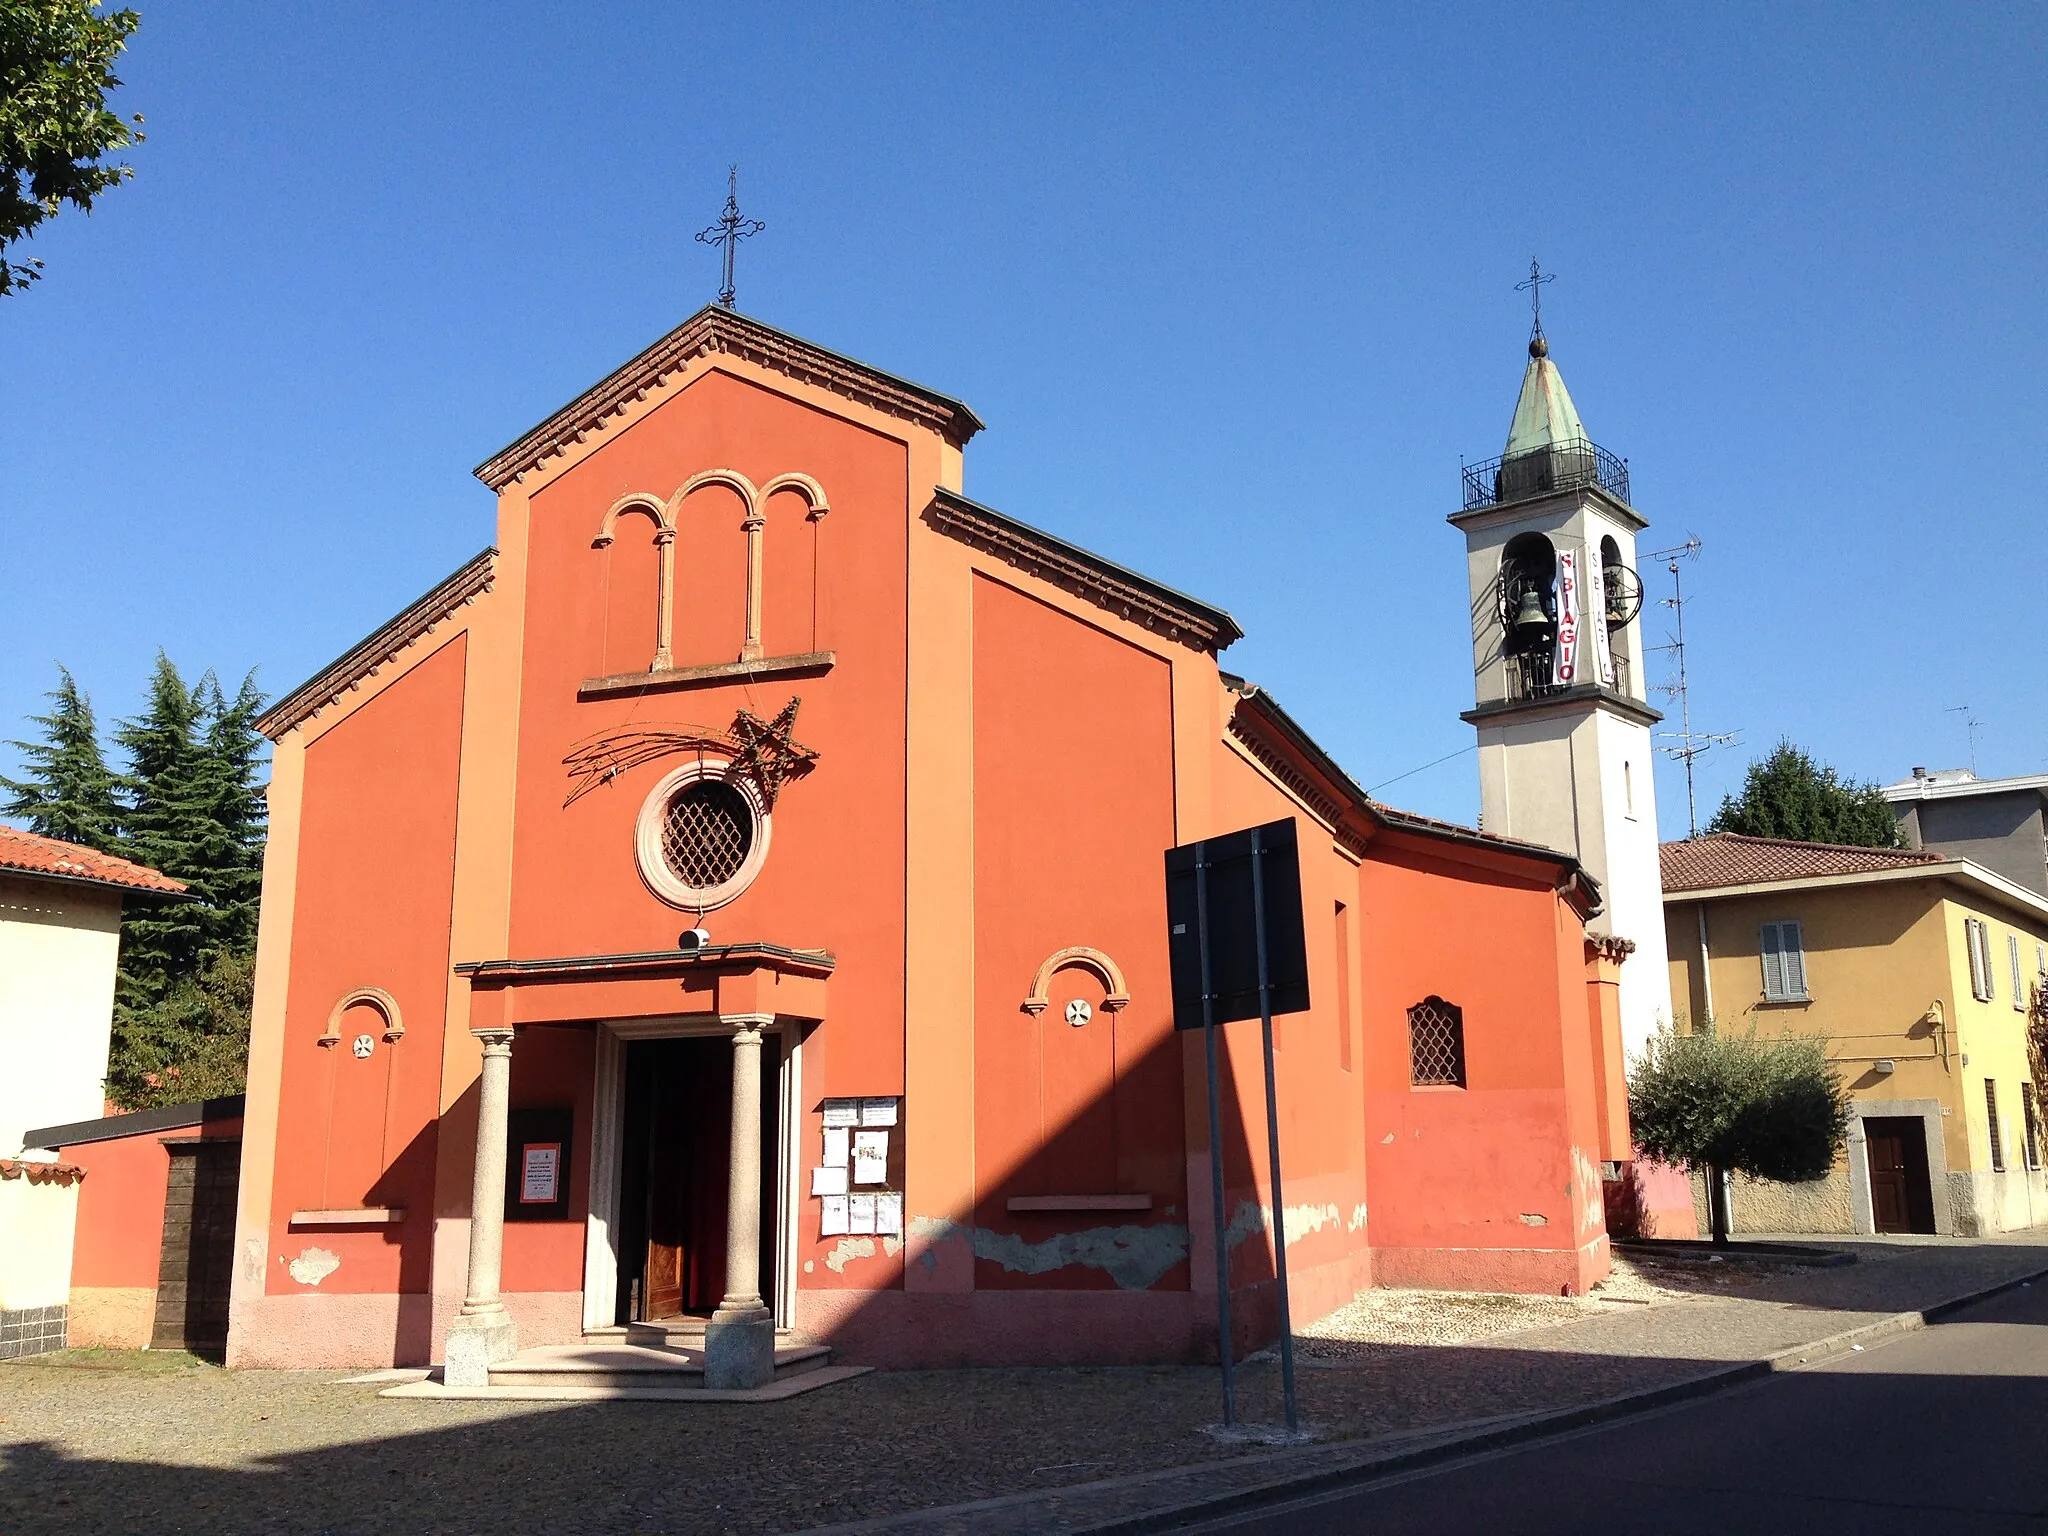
738,895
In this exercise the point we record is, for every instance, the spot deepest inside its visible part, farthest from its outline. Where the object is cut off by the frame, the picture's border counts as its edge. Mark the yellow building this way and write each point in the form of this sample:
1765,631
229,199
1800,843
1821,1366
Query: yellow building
1918,970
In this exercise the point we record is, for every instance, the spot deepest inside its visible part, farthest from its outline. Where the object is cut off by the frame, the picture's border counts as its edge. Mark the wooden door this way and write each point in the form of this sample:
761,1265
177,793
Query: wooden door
1901,1192
196,1266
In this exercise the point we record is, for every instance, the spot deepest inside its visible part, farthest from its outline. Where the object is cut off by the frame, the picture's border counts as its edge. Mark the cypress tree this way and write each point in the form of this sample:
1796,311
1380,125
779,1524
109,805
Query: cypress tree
195,811
1789,795
165,793
67,792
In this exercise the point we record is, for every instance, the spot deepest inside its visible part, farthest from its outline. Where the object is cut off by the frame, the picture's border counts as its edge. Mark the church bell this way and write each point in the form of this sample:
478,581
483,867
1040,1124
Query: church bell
1529,615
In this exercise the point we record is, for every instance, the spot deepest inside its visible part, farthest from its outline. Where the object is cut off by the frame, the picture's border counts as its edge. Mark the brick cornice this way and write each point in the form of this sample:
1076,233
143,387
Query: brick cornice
1286,766
715,329
1102,582
382,644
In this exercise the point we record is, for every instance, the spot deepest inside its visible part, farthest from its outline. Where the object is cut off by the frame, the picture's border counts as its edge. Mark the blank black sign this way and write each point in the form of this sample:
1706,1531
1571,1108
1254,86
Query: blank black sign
1233,948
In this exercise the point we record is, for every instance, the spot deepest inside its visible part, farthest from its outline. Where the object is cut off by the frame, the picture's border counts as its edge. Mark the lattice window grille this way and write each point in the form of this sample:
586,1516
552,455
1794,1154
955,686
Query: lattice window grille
707,834
1436,1044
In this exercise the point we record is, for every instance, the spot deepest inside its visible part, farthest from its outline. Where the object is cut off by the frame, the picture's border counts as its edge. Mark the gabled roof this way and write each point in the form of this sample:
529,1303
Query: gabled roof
471,580
24,853
717,329
1278,741
1109,585
1726,858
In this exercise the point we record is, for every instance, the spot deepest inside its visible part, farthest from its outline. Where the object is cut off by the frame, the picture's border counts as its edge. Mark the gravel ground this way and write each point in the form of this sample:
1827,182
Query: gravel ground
94,1441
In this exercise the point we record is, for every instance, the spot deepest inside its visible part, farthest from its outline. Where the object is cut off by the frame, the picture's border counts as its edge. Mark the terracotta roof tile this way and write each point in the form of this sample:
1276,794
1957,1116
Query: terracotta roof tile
1726,858
26,853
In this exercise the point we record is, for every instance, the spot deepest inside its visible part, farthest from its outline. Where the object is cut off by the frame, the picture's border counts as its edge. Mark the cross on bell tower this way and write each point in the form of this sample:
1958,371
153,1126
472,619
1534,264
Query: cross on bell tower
1533,286
729,231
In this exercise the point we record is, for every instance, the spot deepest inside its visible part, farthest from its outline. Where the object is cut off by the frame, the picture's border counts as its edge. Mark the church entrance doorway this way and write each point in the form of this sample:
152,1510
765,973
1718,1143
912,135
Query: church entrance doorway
675,1152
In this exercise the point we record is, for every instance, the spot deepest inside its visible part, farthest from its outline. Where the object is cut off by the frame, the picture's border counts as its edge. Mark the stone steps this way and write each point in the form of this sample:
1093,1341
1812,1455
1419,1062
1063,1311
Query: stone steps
627,1366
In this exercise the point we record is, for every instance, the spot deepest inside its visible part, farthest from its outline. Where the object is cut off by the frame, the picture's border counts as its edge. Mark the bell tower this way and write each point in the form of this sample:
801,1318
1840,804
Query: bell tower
1557,662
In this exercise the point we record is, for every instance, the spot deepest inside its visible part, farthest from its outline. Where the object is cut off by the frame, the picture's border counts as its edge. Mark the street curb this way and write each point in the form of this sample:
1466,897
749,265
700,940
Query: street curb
1452,1446
1544,1425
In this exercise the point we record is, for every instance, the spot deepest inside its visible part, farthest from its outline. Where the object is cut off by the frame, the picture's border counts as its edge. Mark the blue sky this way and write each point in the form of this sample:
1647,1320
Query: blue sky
1232,286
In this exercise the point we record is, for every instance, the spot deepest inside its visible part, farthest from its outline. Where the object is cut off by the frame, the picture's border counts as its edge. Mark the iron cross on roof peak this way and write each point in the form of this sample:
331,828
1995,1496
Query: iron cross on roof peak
729,231
1533,286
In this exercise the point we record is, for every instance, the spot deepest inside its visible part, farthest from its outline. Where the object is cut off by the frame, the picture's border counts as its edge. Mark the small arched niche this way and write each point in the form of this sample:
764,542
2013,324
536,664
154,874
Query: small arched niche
1528,569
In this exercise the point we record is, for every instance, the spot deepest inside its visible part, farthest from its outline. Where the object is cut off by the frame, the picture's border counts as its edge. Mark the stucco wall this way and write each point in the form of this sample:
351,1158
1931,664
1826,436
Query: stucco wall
1765,1205
2003,832
58,945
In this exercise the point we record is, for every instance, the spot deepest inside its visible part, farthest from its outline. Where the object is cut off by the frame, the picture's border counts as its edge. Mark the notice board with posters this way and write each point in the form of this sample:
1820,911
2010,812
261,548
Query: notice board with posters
537,1146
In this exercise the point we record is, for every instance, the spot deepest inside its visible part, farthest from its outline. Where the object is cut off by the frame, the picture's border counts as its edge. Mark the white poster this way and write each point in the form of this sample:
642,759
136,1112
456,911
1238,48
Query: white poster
1596,595
860,1215
540,1169
1565,661
828,1181
870,1157
832,1220
889,1215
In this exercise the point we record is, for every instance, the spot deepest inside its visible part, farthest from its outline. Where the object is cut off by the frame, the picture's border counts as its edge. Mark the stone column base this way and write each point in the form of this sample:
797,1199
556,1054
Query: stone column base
474,1346
739,1349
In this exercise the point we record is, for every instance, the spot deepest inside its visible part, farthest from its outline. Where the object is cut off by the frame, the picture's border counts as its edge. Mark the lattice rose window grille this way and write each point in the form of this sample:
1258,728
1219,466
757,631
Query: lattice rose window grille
1436,1044
707,833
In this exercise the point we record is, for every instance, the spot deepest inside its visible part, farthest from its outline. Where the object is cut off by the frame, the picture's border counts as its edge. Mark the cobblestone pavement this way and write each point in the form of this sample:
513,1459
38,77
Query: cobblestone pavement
93,1442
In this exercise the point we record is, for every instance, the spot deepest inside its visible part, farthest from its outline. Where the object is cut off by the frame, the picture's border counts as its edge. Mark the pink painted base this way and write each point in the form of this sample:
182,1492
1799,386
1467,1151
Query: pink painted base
1650,1200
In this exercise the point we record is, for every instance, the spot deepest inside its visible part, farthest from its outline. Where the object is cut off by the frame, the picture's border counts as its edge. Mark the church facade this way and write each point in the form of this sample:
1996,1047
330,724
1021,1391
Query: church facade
738,895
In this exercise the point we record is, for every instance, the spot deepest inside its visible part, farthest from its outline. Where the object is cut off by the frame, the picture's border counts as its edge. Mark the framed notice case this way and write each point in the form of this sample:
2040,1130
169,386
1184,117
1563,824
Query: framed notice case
537,1146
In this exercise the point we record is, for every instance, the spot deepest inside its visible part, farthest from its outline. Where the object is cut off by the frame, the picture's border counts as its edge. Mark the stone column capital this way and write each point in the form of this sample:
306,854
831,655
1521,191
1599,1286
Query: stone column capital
747,1023
496,1039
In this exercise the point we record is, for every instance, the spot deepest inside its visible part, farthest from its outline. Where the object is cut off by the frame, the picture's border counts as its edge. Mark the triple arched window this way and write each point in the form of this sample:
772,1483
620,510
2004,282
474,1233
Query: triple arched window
691,511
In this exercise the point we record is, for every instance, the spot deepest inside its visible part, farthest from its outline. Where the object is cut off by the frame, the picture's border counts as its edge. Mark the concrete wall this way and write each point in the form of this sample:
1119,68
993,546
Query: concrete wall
2003,832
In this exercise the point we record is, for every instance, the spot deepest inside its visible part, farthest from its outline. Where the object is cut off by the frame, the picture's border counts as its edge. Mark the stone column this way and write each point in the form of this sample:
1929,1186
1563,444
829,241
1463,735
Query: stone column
750,650
739,1341
482,1332
665,601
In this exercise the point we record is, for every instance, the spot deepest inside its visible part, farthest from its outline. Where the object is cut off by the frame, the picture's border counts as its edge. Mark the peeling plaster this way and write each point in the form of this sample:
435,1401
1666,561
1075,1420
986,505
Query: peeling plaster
313,1266
892,1246
1357,1217
1134,1257
1253,1218
1533,1219
848,1249
1591,1205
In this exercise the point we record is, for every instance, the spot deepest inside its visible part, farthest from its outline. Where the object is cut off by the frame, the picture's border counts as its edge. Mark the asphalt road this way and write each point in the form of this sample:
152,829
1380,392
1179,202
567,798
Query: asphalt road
1943,1430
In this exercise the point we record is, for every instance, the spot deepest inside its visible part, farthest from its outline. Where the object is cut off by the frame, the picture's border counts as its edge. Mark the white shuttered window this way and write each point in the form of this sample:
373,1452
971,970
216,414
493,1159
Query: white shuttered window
1978,937
2019,987
1783,948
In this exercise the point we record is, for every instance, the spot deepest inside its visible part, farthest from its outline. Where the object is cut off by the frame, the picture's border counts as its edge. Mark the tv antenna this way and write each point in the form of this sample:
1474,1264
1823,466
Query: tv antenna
1971,726
1687,745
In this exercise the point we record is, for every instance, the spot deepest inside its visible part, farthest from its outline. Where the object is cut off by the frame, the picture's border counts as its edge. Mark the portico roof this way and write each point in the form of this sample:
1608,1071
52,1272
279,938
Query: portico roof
748,979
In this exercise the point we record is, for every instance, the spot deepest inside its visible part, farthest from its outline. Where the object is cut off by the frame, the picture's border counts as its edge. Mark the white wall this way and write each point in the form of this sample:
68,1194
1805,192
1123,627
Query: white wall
58,945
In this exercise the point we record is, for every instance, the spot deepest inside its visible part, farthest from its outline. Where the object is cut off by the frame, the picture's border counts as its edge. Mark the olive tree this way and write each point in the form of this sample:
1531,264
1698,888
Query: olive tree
1715,1104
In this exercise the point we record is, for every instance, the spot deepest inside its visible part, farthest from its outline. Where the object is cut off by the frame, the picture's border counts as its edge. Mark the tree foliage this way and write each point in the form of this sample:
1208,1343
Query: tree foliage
56,130
67,791
1789,795
1773,1109
188,803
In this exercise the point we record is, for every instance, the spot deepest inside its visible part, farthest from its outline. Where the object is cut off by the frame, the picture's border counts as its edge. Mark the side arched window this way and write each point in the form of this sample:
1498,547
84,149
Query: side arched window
1436,1044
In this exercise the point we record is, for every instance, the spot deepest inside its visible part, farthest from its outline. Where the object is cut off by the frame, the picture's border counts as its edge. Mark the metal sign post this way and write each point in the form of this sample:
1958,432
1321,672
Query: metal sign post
1246,957
1272,1130
1223,1337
